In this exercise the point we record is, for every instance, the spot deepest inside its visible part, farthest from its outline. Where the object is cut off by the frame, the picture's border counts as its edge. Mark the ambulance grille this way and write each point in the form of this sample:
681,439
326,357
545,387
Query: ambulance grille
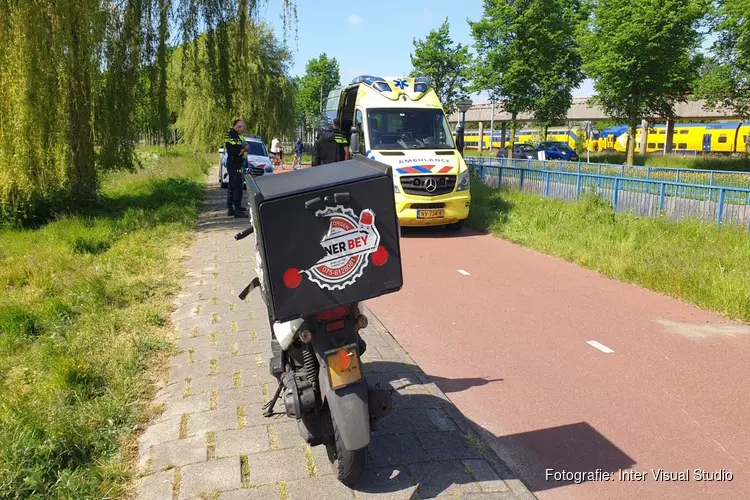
427,206
417,184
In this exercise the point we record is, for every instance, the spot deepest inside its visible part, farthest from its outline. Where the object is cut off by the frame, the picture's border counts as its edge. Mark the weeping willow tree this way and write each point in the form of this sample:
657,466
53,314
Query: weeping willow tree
220,76
80,80
48,71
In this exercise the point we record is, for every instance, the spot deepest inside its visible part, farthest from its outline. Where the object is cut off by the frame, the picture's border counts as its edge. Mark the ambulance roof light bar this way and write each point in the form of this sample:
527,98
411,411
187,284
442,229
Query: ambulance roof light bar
381,86
376,82
368,79
422,83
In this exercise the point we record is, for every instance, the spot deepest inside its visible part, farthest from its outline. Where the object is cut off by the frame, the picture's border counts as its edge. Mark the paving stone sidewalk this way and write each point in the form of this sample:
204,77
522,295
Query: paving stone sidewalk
211,440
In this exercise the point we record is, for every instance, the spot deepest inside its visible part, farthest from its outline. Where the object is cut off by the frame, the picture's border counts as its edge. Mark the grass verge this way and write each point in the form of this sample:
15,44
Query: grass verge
694,261
84,319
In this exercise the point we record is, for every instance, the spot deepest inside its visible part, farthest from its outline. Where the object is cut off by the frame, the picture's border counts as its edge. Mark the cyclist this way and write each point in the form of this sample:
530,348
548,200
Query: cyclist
278,154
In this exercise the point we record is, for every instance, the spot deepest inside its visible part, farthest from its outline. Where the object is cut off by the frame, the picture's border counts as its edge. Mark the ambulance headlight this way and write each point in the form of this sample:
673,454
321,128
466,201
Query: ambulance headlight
463,181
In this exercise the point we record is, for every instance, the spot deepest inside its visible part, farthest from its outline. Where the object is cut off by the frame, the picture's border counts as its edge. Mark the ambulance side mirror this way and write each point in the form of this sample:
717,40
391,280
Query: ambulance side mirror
354,141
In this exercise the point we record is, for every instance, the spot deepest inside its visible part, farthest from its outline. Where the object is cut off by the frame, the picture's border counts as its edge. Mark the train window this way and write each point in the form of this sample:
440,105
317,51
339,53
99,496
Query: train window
660,145
723,138
651,145
683,131
662,132
747,139
682,145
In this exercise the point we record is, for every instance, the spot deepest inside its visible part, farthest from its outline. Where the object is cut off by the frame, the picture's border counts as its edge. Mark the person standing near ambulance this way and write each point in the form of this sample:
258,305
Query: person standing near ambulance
235,150
330,146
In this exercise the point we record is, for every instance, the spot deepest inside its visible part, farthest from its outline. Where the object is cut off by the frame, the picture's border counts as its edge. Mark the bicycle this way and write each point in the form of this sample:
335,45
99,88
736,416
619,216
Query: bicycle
277,160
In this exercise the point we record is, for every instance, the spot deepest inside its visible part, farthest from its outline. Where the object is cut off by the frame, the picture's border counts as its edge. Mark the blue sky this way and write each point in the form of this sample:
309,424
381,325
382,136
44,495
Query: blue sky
367,38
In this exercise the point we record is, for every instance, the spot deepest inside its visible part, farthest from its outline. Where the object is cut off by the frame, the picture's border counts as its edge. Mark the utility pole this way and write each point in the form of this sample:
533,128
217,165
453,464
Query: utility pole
321,98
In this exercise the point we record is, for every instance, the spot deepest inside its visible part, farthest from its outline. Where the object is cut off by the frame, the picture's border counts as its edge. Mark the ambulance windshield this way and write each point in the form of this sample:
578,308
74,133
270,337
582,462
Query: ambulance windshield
408,128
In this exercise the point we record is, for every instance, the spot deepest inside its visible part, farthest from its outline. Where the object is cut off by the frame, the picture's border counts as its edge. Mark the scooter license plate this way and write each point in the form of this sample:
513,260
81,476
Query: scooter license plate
344,367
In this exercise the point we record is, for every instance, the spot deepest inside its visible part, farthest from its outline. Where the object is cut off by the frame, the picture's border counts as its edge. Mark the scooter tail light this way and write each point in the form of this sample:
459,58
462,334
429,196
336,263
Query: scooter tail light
336,325
333,314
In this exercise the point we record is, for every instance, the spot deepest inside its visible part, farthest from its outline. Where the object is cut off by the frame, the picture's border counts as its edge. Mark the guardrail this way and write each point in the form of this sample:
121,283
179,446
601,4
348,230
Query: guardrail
725,178
645,197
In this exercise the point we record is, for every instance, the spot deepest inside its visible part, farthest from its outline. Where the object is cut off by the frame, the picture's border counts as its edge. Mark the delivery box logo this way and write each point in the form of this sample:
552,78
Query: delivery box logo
349,245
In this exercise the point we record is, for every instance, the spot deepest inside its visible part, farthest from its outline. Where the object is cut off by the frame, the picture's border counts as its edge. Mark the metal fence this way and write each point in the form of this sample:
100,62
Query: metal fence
641,196
667,174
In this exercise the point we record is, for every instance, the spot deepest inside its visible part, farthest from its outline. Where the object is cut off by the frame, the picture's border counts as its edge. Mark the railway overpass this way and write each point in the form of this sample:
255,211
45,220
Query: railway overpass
581,111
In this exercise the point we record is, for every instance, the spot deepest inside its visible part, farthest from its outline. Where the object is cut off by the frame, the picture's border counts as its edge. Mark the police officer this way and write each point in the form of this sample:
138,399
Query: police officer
330,146
235,152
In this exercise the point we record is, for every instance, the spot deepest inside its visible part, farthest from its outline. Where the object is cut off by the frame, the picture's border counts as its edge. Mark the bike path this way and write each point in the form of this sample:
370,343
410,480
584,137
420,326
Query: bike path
570,371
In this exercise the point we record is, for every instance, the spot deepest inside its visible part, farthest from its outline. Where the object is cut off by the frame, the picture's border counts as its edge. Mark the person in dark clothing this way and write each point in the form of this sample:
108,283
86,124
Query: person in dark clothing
298,148
235,150
330,146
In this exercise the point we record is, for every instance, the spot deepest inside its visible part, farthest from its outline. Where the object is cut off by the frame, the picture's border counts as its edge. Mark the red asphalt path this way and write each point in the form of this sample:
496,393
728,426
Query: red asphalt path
508,345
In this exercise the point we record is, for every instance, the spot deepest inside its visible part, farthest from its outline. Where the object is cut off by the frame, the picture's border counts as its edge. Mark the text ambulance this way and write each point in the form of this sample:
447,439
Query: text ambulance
400,121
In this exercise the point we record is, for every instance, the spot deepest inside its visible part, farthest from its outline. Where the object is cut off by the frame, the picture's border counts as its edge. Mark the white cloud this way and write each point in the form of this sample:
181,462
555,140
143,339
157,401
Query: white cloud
427,14
356,19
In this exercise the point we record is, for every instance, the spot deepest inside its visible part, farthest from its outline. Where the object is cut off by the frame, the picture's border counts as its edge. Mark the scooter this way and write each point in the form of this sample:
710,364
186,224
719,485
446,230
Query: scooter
317,362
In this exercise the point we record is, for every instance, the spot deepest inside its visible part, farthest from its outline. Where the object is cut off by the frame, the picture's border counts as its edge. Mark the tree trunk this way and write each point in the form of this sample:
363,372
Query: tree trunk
512,134
544,132
631,142
81,170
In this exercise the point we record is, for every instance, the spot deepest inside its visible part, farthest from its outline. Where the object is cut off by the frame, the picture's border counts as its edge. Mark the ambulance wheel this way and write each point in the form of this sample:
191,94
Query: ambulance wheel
456,226
347,464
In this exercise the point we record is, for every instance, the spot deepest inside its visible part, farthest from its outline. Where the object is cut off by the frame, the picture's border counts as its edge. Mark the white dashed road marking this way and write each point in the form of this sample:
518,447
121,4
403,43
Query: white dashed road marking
601,347
465,273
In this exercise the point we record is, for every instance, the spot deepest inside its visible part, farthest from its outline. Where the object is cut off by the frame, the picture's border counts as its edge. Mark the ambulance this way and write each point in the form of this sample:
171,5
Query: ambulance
400,122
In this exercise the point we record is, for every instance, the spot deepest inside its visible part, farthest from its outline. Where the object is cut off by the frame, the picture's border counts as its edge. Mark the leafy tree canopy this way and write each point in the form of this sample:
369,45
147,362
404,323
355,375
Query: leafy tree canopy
528,57
725,76
321,77
81,80
446,63
641,55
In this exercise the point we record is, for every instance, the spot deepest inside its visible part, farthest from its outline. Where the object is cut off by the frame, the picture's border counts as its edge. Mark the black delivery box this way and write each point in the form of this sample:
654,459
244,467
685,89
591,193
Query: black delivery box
327,236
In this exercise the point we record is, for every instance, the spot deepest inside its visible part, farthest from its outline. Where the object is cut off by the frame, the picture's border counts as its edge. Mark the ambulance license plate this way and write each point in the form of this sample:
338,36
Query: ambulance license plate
344,366
430,214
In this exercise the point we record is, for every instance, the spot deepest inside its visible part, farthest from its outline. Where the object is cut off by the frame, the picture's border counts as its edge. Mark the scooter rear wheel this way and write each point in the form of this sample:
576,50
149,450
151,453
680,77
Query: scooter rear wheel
347,464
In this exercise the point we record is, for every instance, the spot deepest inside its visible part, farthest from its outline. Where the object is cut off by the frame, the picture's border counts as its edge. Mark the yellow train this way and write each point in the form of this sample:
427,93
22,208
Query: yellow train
720,137
532,135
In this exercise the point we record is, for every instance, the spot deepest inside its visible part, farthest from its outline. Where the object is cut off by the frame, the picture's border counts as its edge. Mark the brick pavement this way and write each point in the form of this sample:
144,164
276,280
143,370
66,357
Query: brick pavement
211,440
